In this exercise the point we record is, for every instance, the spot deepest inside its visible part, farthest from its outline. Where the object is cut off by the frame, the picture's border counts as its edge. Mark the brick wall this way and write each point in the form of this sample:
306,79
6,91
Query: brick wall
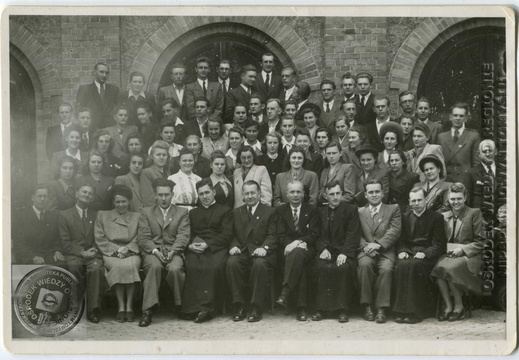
87,40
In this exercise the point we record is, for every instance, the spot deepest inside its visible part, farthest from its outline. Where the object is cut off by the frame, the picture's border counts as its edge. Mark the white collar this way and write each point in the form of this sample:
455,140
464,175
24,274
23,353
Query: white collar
208,206
130,94
371,208
201,82
38,212
80,211
420,214
245,88
77,156
460,130
253,210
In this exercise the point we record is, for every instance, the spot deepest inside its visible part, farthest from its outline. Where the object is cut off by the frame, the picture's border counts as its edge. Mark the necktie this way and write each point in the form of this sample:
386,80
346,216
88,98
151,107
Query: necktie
453,235
84,218
331,218
374,212
267,81
362,98
296,221
42,215
224,86
204,88
102,92
224,187
327,107
121,133
456,135
250,212
85,139
490,172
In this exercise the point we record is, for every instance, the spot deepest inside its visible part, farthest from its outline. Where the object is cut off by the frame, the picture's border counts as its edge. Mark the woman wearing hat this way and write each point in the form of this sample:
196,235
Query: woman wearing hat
422,148
115,233
434,185
309,115
368,160
391,134
458,270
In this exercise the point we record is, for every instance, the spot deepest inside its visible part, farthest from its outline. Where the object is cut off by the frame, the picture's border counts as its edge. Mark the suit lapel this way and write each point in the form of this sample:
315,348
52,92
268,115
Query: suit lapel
135,188
369,220
78,221
158,216
255,217
377,220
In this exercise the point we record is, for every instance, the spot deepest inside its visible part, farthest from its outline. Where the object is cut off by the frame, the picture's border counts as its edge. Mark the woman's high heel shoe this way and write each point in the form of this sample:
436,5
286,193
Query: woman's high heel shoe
457,315
444,316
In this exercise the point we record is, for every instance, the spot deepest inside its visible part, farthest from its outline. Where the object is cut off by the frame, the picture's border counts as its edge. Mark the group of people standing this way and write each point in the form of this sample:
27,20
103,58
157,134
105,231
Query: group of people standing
244,192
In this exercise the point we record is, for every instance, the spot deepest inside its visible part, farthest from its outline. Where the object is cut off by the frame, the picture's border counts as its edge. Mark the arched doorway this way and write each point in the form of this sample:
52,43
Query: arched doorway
23,135
238,49
454,72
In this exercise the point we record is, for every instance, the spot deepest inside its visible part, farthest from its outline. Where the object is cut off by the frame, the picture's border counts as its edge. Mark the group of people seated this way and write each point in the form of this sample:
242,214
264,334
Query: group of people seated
240,192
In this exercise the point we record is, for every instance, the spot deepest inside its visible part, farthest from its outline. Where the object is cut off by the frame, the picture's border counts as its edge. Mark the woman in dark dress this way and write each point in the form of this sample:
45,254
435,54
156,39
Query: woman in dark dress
224,192
104,143
457,272
206,255
101,183
273,158
401,181
62,192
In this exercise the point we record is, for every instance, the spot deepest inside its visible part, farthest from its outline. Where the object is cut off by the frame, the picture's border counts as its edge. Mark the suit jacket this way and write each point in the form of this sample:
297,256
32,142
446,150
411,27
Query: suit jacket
407,142
384,229
191,128
119,148
214,95
360,180
147,176
86,144
235,96
131,104
424,234
349,157
328,118
308,225
345,175
54,141
344,237
400,186
134,185
57,156
373,135
173,233
309,180
274,89
436,198
469,227
460,156
214,225
436,129
59,199
413,163
257,173
149,135
113,230
168,92
475,181
255,232
365,113
102,195
101,109
34,237
75,235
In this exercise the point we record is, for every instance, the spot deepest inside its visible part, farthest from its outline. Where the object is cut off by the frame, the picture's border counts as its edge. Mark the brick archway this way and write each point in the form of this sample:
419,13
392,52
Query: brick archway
179,32
421,44
37,62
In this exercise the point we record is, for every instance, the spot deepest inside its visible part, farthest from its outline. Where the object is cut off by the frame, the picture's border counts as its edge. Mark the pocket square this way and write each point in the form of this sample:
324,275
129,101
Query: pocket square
479,182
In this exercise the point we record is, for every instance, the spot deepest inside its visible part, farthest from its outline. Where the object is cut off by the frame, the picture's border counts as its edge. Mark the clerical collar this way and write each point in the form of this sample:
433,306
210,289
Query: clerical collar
208,206
420,214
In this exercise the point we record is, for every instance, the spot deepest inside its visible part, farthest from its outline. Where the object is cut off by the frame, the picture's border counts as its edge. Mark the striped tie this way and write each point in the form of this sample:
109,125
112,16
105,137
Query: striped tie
296,220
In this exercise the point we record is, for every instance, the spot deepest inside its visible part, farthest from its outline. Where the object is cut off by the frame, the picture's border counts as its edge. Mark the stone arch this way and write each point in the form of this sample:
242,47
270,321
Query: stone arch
179,32
44,76
421,44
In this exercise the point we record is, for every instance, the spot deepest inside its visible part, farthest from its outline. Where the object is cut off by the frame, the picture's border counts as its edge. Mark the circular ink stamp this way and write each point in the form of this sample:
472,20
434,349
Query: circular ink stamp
48,301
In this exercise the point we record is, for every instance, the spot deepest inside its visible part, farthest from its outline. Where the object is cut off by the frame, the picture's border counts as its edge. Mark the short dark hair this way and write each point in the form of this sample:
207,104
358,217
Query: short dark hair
201,98
457,188
178,66
118,108
418,189
405,93
250,123
331,185
349,101
213,119
247,68
461,105
326,130
246,148
202,59
372,182
364,75
380,98
40,187
133,136
251,183
399,153
100,63
258,96
65,159
137,73
333,143
348,76
304,132
204,182
424,99
71,128
171,101
162,182
296,149
328,82
166,124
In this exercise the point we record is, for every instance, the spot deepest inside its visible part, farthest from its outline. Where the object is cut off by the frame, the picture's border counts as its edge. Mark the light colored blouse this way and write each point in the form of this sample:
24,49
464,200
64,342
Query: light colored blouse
184,192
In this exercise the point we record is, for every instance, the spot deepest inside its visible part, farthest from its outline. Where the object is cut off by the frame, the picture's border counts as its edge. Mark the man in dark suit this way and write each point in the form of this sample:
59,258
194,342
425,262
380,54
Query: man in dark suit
348,86
170,113
76,231
460,144
164,233
335,265
381,108
258,114
55,140
224,72
298,230
35,234
202,87
481,176
242,93
365,113
423,111
99,96
84,119
268,84
330,104
381,226
196,126
176,91
406,100
288,80
253,247
135,95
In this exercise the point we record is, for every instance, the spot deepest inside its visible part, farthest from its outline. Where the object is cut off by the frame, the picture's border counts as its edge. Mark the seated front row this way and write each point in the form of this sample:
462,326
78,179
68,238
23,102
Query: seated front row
214,251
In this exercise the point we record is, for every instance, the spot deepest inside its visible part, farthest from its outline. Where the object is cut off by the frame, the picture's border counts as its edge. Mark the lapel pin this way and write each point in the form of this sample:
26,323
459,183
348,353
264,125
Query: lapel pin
257,217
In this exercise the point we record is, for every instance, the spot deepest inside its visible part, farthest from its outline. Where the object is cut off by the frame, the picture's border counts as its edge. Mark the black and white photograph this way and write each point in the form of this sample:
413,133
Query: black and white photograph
259,180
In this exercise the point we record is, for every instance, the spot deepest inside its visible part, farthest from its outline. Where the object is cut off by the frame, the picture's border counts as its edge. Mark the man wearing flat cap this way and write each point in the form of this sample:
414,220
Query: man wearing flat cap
368,161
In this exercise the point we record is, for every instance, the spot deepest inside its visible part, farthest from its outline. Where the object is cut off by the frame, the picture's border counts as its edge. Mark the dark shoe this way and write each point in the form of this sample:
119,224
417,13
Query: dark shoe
239,314
399,319
456,316
203,316
145,319
444,316
190,317
255,316
368,314
380,318
317,316
93,316
343,317
412,319
121,316
130,316
301,315
282,301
